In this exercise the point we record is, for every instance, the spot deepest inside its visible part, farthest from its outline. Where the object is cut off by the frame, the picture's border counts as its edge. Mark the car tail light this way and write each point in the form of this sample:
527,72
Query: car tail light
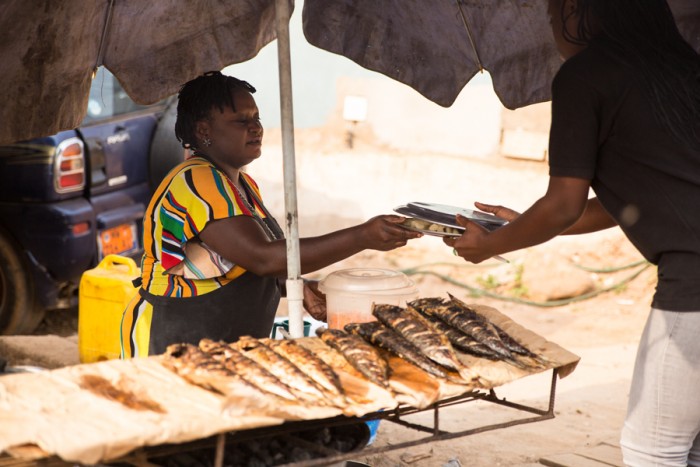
69,168
81,228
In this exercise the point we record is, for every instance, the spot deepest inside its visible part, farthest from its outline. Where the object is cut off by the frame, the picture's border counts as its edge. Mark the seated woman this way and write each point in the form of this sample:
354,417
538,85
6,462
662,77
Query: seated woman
213,254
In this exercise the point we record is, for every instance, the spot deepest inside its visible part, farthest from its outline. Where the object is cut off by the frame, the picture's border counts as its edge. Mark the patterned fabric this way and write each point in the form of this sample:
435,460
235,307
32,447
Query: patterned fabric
135,330
175,262
201,262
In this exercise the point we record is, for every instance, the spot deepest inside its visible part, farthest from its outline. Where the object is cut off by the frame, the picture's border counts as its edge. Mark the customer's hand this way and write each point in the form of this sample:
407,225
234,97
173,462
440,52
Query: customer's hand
500,211
384,233
469,245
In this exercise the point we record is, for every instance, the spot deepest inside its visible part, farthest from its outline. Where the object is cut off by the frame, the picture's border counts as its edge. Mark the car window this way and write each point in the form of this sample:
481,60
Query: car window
108,99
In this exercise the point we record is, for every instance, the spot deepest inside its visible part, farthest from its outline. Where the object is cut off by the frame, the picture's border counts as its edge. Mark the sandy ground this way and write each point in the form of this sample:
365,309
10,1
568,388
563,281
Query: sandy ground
603,330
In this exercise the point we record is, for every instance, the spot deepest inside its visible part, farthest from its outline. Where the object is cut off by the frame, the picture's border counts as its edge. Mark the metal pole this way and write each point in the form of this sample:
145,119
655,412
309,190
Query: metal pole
295,285
220,446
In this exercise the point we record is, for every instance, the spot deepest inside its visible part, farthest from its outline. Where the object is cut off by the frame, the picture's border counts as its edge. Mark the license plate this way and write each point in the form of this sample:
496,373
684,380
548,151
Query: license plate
119,239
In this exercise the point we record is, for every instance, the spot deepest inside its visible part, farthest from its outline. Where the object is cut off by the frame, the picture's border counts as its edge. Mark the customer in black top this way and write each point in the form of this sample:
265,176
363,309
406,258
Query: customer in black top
626,122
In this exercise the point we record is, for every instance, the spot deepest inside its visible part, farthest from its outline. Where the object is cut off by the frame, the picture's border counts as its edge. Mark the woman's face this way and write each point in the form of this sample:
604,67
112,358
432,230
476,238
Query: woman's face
558,10
236,137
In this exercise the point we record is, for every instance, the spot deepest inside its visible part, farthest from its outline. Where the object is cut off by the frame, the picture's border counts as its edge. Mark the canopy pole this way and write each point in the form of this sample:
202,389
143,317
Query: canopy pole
471,37
295,284
103,39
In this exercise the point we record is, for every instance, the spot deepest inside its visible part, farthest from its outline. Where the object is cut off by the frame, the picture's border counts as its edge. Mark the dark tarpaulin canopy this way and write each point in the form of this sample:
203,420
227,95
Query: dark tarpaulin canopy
49,49
436,47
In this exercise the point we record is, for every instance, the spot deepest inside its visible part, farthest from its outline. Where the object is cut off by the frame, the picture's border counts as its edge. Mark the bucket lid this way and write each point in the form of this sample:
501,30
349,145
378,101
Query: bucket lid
367,280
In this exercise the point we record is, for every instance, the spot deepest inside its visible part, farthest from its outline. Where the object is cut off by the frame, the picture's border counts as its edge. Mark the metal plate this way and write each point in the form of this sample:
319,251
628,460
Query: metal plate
406,211
432,232
445,215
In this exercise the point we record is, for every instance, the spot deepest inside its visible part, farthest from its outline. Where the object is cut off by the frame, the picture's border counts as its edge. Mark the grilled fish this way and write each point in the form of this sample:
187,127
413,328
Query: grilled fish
301,385
386,338
197,367
315,368
460,340
246,368
464,319
361,355
186,359
417,330
512,344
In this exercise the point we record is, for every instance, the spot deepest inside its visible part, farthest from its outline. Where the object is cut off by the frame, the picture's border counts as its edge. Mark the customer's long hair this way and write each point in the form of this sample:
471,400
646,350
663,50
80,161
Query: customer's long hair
643,34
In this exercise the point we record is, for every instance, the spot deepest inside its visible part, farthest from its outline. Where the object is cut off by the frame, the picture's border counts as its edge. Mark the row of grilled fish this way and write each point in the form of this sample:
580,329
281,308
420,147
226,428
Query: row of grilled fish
426,334
280,369
473,333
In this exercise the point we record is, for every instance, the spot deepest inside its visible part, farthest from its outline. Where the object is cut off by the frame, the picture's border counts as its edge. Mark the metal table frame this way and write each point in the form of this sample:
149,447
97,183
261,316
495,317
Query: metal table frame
434,433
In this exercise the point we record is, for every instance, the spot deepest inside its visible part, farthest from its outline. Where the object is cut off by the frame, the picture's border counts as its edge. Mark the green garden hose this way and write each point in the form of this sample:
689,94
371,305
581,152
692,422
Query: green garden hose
419,270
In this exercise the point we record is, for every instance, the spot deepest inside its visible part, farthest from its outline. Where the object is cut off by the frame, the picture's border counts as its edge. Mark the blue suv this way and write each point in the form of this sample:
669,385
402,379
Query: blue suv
69,199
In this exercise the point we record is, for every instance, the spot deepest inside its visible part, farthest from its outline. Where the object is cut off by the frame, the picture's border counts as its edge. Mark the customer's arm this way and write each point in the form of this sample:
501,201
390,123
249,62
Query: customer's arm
593,219
558,210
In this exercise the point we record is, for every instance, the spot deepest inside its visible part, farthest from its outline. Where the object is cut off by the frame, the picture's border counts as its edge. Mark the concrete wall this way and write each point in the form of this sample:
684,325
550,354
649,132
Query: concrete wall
407,149
398,116
340,188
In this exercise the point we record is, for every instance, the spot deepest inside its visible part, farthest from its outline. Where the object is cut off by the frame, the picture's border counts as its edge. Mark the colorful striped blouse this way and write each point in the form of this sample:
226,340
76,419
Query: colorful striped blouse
175,262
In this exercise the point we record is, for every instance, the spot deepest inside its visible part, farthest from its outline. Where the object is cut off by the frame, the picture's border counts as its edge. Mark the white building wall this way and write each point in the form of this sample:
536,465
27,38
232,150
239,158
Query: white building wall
399,117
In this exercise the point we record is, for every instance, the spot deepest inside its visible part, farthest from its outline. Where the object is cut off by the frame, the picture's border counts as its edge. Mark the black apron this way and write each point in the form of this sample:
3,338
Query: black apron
246,306
243,307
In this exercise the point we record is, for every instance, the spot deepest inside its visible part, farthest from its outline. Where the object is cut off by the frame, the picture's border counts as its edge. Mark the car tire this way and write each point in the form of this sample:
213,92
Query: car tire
20,312
166,151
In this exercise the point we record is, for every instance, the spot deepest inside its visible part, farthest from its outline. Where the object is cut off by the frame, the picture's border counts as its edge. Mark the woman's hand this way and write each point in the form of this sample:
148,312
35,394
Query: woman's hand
500,211
384,233
314,300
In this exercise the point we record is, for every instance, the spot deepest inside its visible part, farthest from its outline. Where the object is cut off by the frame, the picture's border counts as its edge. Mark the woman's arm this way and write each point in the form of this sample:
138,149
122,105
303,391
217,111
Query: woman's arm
242,240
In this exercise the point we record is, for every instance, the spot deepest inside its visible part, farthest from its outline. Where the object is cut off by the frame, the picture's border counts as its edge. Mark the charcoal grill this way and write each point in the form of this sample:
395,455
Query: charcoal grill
325,456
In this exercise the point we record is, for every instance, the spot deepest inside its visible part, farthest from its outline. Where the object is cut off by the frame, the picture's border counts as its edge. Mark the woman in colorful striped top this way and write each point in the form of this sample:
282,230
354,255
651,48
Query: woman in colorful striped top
213,254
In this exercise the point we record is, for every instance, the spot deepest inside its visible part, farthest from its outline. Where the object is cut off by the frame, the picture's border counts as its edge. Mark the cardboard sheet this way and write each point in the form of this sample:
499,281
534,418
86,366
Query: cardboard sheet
52,411
365,396
500,373
97,412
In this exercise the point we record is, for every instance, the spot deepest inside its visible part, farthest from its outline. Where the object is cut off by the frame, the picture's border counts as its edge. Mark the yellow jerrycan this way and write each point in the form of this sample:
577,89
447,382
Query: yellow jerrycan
103,294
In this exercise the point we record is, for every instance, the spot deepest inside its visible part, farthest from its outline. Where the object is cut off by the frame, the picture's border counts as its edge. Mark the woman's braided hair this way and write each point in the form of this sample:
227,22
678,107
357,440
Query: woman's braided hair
199,96
644,36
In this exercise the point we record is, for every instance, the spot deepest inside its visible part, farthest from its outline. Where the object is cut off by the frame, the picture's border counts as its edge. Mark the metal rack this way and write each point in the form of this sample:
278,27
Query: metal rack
434,432
330,456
